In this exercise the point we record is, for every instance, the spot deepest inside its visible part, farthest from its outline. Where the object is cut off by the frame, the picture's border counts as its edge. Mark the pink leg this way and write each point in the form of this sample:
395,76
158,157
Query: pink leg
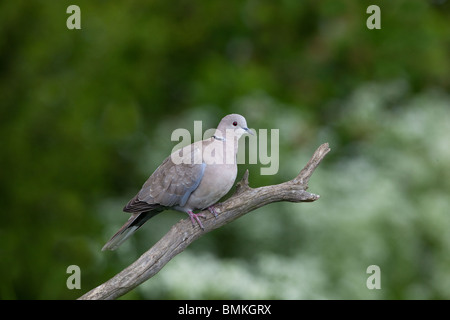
213,210
195,216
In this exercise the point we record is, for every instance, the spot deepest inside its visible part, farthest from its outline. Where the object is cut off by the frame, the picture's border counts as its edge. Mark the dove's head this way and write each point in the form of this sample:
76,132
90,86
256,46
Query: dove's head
232,123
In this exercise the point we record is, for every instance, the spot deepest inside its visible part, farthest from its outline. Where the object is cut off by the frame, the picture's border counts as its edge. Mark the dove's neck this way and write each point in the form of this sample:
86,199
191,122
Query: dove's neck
225,135
219,138
227,145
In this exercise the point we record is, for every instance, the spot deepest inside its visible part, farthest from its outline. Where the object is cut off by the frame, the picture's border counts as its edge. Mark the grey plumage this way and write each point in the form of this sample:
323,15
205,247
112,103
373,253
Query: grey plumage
194,177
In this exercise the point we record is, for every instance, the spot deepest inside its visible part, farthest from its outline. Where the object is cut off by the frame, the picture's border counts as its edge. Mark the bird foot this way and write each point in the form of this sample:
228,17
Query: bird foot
194,216
213,210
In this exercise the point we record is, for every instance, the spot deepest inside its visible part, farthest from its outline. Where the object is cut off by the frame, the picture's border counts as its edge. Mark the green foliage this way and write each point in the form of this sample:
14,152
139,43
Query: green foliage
86,115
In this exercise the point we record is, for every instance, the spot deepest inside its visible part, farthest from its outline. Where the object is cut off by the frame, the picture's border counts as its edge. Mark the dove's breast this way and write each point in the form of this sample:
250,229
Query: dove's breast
217,181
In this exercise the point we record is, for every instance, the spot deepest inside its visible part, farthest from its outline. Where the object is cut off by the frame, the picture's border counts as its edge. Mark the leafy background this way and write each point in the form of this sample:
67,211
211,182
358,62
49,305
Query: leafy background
86,115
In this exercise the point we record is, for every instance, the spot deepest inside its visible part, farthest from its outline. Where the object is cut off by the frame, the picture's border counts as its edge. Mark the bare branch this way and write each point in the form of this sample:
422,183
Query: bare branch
182,234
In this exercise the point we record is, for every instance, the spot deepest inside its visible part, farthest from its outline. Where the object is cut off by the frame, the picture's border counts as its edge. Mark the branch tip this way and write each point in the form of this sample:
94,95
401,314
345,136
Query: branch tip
307,171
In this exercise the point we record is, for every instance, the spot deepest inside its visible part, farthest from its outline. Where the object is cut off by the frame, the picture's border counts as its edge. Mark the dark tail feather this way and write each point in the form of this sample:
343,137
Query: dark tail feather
134,223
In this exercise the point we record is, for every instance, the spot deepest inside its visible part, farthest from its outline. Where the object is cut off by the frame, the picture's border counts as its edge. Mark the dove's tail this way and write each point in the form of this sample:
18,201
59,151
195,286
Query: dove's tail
130,227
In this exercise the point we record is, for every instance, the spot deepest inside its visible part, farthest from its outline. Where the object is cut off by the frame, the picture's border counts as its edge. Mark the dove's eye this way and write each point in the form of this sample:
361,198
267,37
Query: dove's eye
235,123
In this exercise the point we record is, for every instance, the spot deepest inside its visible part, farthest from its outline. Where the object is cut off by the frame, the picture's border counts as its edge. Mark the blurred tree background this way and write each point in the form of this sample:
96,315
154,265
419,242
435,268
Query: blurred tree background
86,116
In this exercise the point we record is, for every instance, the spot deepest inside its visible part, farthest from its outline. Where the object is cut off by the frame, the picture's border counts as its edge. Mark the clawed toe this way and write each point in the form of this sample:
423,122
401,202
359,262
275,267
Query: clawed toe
213,210
194,216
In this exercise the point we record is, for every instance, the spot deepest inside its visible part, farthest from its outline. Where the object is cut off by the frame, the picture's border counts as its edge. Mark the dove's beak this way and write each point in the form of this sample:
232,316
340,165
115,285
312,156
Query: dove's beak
247,130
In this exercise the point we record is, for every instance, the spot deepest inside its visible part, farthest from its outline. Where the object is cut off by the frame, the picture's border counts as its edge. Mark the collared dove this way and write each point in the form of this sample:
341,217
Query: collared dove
194,177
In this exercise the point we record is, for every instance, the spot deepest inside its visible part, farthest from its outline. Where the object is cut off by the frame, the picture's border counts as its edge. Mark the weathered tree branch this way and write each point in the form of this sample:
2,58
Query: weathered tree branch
182,234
